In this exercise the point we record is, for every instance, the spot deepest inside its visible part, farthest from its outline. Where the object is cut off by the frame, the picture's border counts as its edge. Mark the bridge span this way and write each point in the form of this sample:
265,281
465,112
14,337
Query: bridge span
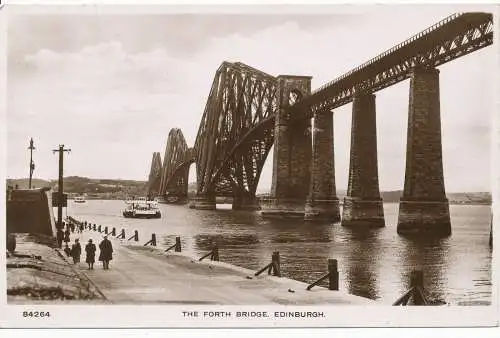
248,111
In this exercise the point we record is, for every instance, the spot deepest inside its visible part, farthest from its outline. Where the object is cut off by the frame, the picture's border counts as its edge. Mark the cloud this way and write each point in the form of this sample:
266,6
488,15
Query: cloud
115,106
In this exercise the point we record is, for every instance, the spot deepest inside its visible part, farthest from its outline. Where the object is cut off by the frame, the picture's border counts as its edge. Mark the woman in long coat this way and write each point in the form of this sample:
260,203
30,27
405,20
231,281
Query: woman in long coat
90,250
106,253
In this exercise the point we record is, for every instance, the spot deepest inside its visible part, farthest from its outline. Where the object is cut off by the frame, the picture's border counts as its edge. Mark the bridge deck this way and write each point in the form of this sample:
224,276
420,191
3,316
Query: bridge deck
450,38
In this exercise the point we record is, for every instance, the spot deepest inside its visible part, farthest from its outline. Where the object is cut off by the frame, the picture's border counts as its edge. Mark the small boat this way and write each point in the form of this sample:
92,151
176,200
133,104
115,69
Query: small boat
141,208
80,199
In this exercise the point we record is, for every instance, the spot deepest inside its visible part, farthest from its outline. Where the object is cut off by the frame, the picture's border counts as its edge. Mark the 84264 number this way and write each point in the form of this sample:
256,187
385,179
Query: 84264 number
36,314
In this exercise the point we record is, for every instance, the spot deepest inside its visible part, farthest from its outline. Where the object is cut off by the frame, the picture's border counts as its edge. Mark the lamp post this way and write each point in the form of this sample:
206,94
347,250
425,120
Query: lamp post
32,164
60,194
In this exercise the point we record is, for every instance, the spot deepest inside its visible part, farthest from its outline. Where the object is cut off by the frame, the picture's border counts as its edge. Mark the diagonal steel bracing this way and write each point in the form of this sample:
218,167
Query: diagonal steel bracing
234,139
155,175
173,180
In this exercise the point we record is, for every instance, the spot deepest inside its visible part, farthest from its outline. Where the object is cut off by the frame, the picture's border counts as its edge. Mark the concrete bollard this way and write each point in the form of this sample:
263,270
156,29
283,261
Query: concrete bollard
177,244
11,243
275,259
333,277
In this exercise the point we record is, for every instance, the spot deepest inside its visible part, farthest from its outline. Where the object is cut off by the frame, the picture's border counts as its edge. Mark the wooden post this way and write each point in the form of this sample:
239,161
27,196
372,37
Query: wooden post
177,244
276,263
106,230
11,243
416,278
99,229
122,234
491,231
215,253
153,239
113,232
85,226
417,285
136,235
94,227
333,277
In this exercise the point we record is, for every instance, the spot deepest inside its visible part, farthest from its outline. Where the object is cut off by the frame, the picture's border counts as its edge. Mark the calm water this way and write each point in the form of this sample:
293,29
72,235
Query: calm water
374,264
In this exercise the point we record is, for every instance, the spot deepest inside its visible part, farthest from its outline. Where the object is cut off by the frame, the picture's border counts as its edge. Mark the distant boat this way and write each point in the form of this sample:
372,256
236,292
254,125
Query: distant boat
141,208
80,199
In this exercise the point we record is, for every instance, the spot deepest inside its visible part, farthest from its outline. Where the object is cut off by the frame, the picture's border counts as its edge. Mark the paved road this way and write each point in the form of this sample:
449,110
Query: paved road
147,275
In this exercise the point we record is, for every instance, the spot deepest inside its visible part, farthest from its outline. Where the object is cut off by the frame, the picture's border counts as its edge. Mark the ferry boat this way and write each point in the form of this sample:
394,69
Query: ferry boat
141,208
80,199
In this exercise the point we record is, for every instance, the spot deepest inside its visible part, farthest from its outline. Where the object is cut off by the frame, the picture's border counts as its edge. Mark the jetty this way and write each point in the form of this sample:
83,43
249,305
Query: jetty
145,274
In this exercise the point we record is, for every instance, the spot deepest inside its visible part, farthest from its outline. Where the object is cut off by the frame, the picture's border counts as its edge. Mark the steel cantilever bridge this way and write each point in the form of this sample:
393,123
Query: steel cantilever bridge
248,111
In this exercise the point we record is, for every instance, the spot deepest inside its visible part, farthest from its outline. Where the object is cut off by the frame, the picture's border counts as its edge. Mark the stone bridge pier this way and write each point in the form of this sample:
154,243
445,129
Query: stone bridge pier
363,204
292,153
424,208
322,203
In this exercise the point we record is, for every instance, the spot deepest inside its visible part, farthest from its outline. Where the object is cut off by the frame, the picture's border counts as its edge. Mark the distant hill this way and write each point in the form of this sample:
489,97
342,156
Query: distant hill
453,198
98,188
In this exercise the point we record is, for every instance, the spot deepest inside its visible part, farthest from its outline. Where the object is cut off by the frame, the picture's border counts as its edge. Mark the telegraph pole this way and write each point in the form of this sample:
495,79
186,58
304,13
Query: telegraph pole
32,164
60,193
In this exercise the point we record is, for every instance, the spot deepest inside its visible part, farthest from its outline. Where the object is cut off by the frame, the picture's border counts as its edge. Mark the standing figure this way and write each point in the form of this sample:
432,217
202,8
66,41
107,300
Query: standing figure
106,252
76,251
67,250
66,236
90,254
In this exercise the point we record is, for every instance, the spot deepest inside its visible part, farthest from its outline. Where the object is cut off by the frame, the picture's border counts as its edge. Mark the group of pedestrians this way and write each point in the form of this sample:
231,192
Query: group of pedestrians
105,255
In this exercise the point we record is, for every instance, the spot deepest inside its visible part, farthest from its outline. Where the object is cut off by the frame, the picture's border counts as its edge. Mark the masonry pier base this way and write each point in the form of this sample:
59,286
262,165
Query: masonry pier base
322,210
205,202
283,208
245,203
424,218
362,212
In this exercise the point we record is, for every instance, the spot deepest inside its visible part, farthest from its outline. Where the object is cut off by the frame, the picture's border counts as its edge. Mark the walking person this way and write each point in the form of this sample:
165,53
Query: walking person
106,253
76,251
90,250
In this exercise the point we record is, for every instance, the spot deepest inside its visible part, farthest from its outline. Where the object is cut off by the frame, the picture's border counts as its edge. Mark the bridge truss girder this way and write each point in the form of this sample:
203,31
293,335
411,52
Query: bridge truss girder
234,137
451,38
155,175
173,181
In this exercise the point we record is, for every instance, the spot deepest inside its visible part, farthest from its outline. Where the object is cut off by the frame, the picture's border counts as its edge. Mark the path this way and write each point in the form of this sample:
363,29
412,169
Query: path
147,275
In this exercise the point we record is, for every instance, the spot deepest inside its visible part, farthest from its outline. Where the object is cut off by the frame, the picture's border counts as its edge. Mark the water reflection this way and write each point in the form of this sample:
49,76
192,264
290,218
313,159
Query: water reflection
427,255
304,247
362,261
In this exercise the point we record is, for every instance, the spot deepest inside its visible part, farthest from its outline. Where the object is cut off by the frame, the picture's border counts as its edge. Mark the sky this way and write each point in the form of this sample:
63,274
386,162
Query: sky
110,87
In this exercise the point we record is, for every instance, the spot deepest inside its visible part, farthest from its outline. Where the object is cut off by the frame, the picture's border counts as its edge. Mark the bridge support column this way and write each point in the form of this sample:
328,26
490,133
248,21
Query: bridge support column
292,154
205,202
322,203
424,208
245,202
363,205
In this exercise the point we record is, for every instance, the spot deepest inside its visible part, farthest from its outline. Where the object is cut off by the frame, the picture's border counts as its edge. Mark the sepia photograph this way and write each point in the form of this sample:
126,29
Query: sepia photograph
250,164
